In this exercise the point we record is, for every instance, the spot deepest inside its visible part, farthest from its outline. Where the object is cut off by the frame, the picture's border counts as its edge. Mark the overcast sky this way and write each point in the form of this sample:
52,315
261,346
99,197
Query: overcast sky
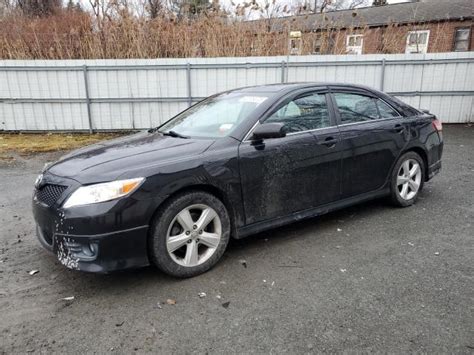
226,4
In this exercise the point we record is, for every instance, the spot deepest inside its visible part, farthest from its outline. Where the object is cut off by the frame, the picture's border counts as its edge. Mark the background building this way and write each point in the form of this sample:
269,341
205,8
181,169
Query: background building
410,27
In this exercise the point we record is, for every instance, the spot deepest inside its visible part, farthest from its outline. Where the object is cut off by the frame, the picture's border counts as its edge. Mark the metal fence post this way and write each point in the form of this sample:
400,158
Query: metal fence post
188,81
88,99
282,71
382,75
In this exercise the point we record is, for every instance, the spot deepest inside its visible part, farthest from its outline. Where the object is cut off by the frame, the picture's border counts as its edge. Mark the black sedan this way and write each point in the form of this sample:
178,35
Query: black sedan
232,165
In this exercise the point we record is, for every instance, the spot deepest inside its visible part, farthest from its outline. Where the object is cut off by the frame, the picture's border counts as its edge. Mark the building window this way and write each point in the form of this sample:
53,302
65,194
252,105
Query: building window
331,43
354,44
462,37
417,42
295,46
295,43
317,43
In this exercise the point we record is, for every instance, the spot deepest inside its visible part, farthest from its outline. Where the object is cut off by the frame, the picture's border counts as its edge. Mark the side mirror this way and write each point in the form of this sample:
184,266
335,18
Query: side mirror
425,111
269,130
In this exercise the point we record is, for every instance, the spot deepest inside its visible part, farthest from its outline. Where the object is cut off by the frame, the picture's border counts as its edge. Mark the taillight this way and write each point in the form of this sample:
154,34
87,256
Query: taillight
438,125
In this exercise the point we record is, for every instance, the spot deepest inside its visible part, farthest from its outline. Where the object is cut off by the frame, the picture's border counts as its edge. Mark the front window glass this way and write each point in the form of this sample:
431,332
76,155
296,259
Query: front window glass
215,117
303,114
356,108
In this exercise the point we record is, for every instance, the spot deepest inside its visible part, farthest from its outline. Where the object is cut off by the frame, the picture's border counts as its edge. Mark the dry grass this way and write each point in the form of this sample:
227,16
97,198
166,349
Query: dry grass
122,34
70,35
25,144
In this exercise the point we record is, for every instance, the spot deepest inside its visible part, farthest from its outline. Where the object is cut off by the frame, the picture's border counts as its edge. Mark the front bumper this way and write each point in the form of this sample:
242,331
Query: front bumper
101,253
102,237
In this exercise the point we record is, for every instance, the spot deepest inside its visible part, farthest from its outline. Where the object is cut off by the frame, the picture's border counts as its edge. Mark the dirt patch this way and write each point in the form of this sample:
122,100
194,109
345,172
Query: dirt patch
27,143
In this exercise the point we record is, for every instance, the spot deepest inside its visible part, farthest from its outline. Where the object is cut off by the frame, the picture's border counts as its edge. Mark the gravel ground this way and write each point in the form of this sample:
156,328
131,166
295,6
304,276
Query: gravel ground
367,278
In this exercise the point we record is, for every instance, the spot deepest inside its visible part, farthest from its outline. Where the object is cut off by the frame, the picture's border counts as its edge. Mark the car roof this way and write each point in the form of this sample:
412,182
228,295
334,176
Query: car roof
288,87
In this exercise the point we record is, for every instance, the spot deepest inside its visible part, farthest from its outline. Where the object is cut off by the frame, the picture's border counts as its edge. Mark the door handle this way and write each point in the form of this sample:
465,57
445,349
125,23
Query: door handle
329,142
398,128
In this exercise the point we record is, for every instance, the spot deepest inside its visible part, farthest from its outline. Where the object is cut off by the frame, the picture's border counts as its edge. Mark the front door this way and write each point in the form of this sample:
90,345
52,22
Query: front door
302,170
373,134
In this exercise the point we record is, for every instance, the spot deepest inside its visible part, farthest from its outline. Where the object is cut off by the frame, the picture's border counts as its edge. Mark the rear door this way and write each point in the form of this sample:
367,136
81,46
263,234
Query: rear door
302,170
373,134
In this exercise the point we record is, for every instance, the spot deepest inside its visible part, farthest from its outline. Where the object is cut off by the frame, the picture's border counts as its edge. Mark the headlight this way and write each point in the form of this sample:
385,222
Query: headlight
86,195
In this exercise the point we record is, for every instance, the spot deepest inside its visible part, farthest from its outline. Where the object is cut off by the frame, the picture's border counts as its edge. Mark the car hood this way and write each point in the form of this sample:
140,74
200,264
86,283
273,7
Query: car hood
111,159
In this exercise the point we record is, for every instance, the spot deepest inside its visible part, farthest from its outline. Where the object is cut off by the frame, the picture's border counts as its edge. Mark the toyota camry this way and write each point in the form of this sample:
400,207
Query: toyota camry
232,165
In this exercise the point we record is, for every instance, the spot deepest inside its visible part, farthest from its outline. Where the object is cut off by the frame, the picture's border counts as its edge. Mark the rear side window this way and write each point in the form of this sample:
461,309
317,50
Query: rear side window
402,107
356,108
304,113
385,110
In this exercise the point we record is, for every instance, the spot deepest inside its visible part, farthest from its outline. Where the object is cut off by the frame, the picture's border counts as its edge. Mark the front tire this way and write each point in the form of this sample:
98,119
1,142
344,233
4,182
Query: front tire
190,233
407,179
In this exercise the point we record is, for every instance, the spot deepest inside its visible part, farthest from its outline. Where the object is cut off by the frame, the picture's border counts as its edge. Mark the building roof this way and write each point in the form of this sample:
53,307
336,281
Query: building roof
401,13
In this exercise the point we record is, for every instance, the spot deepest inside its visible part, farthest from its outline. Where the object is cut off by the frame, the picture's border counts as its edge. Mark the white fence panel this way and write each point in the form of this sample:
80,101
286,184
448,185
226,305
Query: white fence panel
140,93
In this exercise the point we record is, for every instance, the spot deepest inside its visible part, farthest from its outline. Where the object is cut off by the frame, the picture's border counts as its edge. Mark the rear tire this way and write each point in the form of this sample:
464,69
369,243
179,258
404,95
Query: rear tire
407,179
189,234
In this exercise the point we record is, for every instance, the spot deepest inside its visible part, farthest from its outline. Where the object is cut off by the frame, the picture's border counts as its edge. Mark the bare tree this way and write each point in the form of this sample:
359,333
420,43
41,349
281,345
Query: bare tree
74,6
102,10
39,7
318,6
154,7
269,9
6,6
188,9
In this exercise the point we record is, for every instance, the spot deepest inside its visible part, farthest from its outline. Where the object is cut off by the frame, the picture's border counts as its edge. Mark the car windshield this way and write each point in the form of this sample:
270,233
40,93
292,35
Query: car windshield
215,117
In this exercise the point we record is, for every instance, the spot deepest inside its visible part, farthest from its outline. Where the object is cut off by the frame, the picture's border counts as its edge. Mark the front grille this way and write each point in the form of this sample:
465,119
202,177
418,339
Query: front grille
49,193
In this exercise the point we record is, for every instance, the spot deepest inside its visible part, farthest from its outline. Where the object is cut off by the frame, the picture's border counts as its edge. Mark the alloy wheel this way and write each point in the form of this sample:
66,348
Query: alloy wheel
194,235
409,179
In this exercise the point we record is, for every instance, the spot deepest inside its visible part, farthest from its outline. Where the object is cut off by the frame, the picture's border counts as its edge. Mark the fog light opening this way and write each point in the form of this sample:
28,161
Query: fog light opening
90,249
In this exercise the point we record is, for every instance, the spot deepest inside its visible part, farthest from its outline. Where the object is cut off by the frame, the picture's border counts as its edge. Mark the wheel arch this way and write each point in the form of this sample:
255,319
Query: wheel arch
211,189
424,155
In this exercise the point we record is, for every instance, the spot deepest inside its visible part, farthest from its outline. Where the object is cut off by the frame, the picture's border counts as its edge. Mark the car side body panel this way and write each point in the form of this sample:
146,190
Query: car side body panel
283,176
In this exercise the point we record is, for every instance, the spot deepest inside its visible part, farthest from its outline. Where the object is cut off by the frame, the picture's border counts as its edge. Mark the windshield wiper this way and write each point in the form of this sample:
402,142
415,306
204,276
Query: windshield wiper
174,134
